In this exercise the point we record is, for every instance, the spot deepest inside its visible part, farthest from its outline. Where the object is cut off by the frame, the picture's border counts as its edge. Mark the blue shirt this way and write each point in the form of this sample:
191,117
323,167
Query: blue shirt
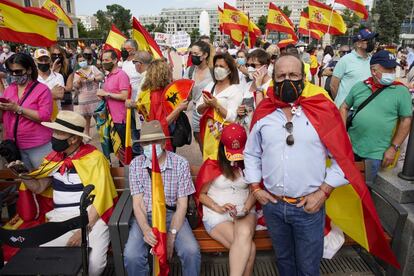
292,171
350,69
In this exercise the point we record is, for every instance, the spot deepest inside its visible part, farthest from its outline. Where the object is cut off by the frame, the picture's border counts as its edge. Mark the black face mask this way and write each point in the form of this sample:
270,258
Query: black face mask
124,54
288,91
44,67
87,56
370,46
108,66
196,60
60,145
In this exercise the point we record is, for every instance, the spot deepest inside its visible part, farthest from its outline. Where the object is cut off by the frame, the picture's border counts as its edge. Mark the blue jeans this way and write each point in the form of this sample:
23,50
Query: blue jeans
297,238
372,167
136,133
136,250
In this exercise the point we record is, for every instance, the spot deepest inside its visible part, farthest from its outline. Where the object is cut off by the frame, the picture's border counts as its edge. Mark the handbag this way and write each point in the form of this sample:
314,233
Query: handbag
8,147
182,133
361,106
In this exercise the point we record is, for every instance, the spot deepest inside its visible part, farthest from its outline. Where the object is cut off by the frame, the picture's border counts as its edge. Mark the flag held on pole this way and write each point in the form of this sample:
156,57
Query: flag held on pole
278,21
304,28
323,18
53,7
357,6
115,40
145,41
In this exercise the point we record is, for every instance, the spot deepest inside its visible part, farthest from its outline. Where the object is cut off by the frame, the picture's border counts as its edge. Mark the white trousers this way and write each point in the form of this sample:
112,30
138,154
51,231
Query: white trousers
98,240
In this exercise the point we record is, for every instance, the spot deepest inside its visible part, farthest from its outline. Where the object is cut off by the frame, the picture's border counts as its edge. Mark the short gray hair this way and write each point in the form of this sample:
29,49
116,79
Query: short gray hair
132,42
144,57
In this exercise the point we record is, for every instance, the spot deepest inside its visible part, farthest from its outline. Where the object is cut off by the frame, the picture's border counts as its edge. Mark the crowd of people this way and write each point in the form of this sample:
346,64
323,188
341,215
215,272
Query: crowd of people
254,118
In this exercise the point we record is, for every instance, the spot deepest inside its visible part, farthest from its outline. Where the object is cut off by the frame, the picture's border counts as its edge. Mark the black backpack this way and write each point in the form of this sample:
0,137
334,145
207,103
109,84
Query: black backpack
182,133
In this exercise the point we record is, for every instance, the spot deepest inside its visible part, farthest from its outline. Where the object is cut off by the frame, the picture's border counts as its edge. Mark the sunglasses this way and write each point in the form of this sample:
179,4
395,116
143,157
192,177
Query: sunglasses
87,56
19,72
254,65
289,128
136,61
55,56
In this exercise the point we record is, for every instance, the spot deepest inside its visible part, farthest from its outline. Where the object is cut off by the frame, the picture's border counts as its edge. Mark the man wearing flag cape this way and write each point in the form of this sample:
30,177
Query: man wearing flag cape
160,183
294,132
63,174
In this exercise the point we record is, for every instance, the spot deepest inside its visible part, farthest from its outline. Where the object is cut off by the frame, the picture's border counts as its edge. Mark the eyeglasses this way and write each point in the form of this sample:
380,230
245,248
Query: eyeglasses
254,65
19,72
87,55
136,61
289,128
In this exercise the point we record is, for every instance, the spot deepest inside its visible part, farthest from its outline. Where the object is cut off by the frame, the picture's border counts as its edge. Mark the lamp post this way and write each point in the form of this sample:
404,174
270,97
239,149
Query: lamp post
375,17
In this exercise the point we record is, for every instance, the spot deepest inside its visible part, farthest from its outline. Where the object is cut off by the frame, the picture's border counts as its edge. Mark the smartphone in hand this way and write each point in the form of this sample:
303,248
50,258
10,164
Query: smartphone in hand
18,167
4,100
207,94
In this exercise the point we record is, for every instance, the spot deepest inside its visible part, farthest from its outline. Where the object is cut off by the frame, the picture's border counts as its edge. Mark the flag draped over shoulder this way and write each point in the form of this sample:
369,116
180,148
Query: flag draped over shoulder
32,26
350,207
53,7
323,18
278,21
357,6
145,41
304,28
159,218
115,40
211,127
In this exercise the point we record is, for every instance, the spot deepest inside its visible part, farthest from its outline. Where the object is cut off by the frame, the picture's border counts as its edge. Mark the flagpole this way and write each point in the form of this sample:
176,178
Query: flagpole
330,19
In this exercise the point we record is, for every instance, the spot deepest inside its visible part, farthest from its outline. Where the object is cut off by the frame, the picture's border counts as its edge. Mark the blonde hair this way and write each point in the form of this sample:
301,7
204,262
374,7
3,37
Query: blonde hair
158,75
64,70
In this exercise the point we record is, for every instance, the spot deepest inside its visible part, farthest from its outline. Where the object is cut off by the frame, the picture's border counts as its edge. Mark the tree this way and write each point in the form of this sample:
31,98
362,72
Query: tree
392,13
261,23
114,14
287,11
195,35
82,30
160,28
351,20
150,28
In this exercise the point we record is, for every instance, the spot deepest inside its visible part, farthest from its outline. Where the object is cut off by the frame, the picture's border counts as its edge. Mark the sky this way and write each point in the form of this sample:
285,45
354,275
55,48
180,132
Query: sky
143,7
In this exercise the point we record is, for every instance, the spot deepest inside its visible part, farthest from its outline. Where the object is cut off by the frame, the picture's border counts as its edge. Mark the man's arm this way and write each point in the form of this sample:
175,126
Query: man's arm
179,215
399,137
140,214
334,86
38,186
343,110
122,96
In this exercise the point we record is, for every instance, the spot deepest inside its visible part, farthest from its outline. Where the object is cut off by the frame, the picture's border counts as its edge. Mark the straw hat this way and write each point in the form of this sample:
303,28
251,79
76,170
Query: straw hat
152,131
69,122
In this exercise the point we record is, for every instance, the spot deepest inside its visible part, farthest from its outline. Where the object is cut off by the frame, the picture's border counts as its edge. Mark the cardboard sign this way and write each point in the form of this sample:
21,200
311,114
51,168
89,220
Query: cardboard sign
162,39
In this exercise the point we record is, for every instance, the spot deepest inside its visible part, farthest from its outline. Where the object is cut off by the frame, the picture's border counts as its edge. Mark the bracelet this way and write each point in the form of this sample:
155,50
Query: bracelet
255,189
325,192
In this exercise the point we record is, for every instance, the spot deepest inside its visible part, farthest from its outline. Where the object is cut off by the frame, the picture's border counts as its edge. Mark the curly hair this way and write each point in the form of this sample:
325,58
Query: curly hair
158,75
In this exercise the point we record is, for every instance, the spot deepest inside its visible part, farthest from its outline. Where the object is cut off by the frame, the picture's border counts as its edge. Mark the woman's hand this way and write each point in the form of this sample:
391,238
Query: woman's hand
130,104
241,110
183,105
228,207
212,102
10,106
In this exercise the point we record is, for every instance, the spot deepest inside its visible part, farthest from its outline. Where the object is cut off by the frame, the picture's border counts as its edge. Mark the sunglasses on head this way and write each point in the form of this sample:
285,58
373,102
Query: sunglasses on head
289,128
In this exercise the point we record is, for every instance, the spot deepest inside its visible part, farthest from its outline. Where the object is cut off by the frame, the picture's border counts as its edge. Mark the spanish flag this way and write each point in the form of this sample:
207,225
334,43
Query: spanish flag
92,168
304,27
220,18
115,40
350,207
177,92
323,18
128,130
254,33
211,127
357,6
235,23
285,42
32,26
53,7
159,219
145,41
278,21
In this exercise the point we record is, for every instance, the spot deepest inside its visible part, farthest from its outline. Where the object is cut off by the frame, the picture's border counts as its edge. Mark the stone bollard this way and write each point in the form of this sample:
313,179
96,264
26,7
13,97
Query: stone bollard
408,168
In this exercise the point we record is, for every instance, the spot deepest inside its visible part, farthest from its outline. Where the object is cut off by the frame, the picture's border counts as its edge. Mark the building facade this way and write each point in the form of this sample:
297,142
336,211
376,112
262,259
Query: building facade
257,8
68,6
89,22
185,19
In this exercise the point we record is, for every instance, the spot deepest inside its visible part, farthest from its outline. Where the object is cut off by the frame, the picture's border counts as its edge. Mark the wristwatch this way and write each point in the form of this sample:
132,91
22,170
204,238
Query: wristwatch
173,231
19,110
396,147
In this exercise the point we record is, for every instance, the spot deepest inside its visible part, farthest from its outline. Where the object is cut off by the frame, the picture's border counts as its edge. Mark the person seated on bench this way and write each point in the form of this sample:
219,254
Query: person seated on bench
67,169
228,207
178,185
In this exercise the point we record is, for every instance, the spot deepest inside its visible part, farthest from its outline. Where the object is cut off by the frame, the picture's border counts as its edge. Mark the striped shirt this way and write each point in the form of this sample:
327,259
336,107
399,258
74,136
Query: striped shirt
176,177
67,190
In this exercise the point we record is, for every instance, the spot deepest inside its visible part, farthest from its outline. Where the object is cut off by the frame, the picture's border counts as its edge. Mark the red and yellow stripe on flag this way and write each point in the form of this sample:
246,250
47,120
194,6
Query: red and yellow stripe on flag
128,130
53,7
177,92
115,40
323,18
357,6
145,41
285,42
234,19
304,27
254,33
21,25
211,127
159,218
278,21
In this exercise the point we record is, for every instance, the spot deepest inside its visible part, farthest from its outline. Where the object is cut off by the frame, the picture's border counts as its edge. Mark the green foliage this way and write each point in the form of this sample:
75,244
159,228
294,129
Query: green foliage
150,28
287,11
262,23
160,28
114,14
83,33
306,10
392,13
195,35
351,20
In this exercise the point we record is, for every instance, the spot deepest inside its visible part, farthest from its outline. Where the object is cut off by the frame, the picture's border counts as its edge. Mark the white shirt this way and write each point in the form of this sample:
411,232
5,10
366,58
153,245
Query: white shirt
230,98
52,80
134,77
4,56
139,117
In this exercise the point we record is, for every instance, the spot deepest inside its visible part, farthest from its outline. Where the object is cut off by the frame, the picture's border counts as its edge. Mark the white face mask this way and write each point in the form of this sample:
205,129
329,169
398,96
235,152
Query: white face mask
83,64
6,50
251,70
221,73
387,78
148,151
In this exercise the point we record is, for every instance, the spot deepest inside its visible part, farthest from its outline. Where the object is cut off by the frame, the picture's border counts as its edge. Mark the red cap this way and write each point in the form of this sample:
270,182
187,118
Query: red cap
234,139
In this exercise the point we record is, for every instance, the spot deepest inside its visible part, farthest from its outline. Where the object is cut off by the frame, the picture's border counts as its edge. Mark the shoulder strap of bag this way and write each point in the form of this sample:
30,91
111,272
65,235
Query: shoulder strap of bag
367,101
191,72
21,103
